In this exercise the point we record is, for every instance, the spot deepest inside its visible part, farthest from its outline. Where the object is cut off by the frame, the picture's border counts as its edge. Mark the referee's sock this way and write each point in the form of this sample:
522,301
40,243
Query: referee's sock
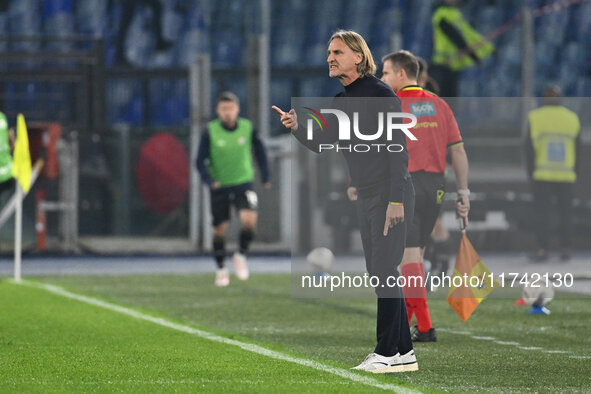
415,295
422,313
246,237
219,250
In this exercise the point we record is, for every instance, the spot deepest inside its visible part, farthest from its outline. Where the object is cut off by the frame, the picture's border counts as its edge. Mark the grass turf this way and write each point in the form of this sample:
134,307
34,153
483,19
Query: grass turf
339,332
49,343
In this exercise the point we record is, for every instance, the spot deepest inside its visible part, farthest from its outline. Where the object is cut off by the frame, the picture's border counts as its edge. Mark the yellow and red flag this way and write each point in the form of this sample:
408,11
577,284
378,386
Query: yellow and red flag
21,167
477,281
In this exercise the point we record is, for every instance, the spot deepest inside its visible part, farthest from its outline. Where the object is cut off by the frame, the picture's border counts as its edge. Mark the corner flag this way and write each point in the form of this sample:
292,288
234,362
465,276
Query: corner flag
480,281
21,167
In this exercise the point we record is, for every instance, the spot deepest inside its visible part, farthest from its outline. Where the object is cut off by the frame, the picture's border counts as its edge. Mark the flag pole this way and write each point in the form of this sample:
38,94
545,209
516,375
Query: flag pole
461,221
18,232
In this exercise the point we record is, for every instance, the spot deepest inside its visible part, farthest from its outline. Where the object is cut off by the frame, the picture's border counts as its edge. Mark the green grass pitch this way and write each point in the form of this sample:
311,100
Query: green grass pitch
49,343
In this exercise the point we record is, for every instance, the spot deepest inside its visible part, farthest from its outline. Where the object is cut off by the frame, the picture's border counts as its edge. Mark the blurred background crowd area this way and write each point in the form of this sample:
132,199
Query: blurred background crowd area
106,78
299,31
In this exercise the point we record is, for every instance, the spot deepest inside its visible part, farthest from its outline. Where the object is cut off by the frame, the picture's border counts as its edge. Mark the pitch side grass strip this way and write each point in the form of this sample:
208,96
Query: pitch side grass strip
511,343
216,338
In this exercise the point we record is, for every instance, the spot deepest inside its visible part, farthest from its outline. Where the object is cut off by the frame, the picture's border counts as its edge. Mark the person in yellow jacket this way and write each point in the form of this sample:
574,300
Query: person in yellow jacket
552,146
456,46
6,147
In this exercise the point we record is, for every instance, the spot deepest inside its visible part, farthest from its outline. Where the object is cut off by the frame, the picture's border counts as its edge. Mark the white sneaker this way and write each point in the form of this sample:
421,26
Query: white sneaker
222,277
379,364
409,362
240,266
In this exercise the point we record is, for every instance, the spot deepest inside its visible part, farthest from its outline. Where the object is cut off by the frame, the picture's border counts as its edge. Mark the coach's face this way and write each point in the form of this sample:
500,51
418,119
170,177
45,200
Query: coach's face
342,61
228,112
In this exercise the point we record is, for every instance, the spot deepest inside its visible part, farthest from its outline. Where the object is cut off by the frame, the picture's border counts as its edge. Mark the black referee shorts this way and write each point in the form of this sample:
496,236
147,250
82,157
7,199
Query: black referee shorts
222,199
429,192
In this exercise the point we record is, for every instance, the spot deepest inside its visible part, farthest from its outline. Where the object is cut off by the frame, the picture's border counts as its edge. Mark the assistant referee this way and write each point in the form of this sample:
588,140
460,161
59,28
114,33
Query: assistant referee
437,133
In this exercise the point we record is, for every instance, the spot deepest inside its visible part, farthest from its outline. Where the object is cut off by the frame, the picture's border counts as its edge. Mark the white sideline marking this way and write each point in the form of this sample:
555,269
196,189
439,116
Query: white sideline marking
512,343
530,347
216,338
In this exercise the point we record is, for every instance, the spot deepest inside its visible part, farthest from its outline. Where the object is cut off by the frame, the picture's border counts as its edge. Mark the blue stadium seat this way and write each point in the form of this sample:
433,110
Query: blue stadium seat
281,92
191,45
160,90
139,42
172,23
468,85
133,114
419,34
360,16
488,19
91,17
287,49
54,7
388,22
197,16
24,18
228,48
161,59
3,31
120,96
583,87
325,18
60,24
169,103
583,29
312,87
287,38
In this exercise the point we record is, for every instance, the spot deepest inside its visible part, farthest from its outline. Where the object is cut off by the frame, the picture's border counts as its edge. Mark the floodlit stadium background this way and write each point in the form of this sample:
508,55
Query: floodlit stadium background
117,230
121,189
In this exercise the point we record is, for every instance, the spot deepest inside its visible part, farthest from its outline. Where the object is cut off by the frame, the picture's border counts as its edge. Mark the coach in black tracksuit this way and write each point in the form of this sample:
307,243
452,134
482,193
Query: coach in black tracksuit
385,194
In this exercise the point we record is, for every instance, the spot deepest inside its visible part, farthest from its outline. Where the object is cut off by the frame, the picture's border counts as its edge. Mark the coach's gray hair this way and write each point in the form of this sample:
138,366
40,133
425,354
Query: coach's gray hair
358,45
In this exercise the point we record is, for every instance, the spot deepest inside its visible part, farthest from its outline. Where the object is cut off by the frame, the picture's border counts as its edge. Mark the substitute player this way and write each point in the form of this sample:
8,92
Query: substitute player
437,132
224,162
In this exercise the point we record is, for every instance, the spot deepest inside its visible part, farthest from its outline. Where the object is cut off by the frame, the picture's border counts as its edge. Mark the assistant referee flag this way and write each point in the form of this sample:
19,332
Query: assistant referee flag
21,167
477,281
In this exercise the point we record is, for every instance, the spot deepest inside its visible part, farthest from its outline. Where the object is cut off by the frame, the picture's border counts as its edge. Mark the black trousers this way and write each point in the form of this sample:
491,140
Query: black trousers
446,78
383,255
550,197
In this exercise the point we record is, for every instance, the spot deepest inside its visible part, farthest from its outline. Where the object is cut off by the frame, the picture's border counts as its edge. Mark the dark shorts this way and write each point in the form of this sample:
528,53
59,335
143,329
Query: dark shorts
429,193
223,199
7,187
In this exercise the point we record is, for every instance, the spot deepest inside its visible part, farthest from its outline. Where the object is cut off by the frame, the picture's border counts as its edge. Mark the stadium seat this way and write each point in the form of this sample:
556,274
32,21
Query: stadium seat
24,18
133,114
3,31
221,29
172,22
54,7
90,17
60,24
229,48
388,22
359,16
120,94
139,42
192,44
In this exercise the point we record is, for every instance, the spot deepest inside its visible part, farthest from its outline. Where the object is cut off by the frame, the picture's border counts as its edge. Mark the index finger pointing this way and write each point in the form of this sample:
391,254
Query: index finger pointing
278,110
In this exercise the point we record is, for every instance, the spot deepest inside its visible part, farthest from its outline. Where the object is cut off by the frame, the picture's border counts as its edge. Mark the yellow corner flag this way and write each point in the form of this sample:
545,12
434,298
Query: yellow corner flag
477,281
21,167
